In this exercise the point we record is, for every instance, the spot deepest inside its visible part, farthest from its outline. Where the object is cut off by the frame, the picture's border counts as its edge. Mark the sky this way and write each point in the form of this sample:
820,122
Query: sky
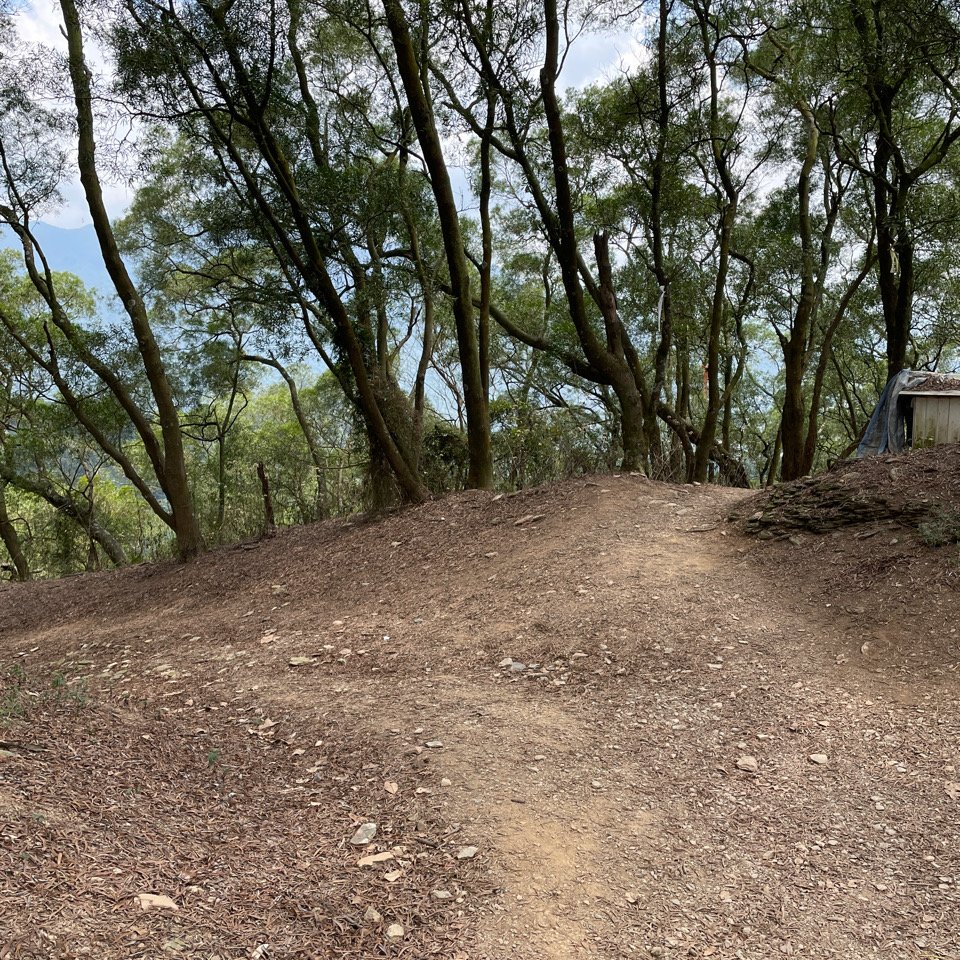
593,57
38,22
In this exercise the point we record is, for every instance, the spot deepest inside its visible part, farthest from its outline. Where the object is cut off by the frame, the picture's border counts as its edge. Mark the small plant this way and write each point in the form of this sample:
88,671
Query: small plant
941,528
64,691
74,691
213,757
11,693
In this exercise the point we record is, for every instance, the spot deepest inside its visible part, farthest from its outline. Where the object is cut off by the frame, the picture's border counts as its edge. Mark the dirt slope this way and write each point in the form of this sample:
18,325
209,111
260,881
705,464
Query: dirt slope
642,787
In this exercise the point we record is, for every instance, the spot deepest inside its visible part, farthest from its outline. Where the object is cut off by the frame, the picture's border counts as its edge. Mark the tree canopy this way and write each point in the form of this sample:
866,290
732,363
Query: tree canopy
378,251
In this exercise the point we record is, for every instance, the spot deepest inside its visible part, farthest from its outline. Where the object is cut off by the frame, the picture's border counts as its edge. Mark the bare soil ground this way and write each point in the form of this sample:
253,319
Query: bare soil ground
718,746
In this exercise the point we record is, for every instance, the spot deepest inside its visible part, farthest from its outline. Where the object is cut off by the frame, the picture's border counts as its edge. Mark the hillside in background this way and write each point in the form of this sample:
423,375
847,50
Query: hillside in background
580,722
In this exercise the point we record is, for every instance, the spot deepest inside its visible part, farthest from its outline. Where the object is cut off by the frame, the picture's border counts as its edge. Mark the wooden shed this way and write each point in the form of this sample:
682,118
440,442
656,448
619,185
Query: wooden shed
933,416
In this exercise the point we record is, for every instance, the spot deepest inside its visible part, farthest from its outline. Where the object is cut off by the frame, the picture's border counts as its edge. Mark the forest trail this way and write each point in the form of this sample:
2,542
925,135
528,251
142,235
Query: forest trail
663,739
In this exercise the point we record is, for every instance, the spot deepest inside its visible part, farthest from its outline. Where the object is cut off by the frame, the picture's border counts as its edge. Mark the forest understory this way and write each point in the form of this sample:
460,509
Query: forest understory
591,720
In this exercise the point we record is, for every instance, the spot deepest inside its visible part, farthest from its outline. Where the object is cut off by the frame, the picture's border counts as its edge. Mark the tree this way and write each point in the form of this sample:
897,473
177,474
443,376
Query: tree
474,373
896,122
29,184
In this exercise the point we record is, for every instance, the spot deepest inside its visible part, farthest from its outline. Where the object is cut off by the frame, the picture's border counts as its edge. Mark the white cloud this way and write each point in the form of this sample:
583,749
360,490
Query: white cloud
598,56
38,22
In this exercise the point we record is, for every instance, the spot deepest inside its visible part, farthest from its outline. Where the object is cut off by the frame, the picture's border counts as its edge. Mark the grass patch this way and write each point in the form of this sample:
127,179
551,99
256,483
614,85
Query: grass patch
941,528
12,693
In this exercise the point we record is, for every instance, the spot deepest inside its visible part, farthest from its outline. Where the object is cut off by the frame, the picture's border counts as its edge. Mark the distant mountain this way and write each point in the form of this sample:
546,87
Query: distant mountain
70,250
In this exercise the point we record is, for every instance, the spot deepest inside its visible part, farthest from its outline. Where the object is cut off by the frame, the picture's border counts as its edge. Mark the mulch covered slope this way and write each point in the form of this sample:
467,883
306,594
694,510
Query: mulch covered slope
182,827
656,737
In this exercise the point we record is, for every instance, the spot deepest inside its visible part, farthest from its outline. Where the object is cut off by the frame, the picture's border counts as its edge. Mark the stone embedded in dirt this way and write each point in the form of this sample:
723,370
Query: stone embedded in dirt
6,754
818,758
442,895
506,662
517,667
365,833
529,518
395,931
467,853
434,744
748,764
371,915
953,790
596,784
301,661
374,858
446,782
155,901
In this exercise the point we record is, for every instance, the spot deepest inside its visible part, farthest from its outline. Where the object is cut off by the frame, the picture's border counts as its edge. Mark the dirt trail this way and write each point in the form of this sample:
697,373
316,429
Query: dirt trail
642,787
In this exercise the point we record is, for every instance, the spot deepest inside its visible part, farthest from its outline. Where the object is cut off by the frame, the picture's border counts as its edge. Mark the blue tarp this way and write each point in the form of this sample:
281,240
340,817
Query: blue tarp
887,430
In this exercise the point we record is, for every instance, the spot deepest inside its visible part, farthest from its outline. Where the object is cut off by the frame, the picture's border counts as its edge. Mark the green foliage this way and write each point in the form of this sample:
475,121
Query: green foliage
66,691
942,529
16,697
12,692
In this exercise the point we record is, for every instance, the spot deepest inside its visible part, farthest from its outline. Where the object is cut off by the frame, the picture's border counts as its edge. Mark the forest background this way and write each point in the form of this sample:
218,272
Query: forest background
376,251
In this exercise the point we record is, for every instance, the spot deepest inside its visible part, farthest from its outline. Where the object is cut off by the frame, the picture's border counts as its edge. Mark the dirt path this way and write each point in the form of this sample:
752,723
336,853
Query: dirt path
694,761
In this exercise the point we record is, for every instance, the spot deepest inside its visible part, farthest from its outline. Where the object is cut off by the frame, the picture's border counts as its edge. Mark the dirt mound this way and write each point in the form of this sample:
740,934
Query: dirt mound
918,490
589,721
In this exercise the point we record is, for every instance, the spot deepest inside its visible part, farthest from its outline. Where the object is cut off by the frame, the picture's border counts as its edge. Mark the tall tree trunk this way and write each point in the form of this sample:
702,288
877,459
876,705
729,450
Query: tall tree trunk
708,431
826,352
632,407
728,195
791,434
173,478
900,324
795,345
11,539
269,523
480,473
665,303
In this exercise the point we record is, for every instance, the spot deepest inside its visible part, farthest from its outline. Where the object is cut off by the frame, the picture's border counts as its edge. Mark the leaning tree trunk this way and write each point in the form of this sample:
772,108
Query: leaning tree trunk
79,512
172,474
